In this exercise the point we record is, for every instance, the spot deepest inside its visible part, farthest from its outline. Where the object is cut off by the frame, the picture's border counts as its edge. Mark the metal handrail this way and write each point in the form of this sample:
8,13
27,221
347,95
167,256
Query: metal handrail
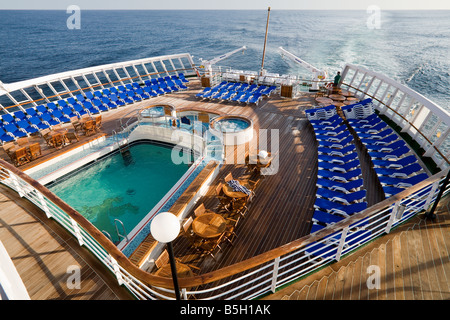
275,259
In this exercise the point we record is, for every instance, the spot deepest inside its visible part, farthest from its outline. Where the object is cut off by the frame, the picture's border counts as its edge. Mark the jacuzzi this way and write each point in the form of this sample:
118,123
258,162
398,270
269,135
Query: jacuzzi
233,129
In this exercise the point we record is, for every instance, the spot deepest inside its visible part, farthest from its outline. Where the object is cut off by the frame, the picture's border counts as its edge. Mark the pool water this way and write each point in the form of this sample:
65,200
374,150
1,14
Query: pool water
233,124
121,188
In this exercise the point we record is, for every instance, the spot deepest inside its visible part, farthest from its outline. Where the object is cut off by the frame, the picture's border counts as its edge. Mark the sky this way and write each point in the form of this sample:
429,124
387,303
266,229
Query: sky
227,5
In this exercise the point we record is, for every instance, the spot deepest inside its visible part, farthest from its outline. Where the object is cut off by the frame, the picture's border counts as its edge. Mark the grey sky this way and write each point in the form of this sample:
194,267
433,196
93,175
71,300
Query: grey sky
229,4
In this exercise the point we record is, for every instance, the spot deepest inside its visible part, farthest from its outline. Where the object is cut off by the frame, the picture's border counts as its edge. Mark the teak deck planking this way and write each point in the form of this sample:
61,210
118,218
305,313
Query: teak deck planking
283,206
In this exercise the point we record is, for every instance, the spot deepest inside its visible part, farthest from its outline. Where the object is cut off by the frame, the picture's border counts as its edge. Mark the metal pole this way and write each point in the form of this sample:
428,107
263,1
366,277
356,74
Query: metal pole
265,41
430,214
173,268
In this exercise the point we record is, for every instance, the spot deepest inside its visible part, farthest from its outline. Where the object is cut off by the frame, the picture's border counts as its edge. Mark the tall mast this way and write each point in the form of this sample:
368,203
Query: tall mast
265,41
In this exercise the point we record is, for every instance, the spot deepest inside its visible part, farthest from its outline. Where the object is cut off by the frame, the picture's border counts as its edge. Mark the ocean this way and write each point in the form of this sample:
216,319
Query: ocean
412,47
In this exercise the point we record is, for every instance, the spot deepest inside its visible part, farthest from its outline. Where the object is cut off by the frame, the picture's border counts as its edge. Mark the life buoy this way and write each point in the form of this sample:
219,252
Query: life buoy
329,85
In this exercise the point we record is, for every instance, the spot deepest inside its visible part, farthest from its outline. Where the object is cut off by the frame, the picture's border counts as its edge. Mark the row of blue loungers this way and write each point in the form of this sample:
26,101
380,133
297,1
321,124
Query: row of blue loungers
236,92
340,191
394,162
20,124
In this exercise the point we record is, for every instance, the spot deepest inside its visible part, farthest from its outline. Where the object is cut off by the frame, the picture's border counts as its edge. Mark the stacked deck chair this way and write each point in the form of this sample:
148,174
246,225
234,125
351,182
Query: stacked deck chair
394,162
340,191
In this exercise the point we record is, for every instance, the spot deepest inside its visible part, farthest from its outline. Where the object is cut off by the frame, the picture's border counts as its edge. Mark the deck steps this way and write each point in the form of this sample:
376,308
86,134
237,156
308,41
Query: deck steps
414,264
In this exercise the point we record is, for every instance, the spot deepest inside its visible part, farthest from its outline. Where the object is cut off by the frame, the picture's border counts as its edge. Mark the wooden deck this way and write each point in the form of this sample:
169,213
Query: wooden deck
283,206
413,261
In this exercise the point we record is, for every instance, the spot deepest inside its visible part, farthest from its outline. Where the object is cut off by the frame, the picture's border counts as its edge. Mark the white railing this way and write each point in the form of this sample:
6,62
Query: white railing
30,93
423,120
248,279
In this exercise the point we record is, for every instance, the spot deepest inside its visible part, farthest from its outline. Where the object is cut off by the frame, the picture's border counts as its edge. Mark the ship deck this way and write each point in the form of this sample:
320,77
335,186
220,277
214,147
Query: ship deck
282,209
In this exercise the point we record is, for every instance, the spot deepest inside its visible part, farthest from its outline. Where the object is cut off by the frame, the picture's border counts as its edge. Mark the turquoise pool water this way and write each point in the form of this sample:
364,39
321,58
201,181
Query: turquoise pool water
115,188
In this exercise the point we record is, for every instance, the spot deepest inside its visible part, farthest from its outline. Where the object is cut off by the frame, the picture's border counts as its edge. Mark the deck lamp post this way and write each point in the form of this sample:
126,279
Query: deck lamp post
165,227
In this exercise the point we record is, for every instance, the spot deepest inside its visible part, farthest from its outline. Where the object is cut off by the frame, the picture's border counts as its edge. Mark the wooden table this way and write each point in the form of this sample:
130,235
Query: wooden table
260,162
337,97
183,270
209,225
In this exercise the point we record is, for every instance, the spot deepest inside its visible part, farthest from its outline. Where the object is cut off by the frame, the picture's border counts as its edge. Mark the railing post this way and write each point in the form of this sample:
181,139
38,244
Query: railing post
341,243
430,214
16,184
77,231
276,264
431,195
392,217
117,272
44,206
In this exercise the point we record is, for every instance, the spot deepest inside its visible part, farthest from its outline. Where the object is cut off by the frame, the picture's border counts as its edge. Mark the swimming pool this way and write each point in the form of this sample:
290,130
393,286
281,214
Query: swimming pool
123,188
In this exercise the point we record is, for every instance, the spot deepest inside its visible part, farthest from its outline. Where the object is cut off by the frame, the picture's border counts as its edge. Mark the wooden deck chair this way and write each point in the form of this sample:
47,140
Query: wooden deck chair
190,235
35,151
163,259
225,202
98,122
22,141
57,141
21,157
89,128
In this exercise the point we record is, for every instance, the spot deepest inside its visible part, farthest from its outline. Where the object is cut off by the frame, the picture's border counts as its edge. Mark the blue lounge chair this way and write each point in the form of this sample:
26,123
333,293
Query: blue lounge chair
327,125
89,107
115,99
38,123
367,123
69,112
331,132
402,182
172,86
386,148
5,136
73,102
339,167
395,154
338,160
379,135
339,176
182,78
269,90
337,208
367,119
125,98
386,140
402,172
336,145
62,118
163,86
108,103
201,93
337,152
79,110
25,125
345,198
375,129
106,92
51,106
41,109
336,138
228,95
328,121
345,187
47,118
237,96
390,191
255,99
180,84
150,92
13,130
325,219
144,95
8,118
395,163
98,106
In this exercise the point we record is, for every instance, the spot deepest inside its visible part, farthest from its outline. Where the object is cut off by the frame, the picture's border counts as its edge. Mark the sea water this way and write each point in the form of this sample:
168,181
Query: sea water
411,47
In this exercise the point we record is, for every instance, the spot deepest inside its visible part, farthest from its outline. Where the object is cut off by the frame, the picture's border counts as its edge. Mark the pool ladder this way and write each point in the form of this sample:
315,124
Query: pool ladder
119,235
125,235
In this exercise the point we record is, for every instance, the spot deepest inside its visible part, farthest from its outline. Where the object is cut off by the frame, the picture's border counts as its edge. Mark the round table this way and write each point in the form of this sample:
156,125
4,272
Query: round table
324,100
337,97
353,99
209,225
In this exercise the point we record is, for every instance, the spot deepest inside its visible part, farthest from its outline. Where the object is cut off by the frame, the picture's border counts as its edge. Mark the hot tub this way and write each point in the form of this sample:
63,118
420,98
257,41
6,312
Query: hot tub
235,130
